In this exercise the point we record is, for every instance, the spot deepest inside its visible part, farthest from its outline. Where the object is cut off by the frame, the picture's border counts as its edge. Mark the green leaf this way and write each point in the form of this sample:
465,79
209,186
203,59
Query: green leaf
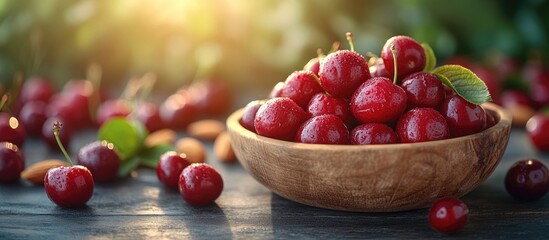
128,137
126,167
430,58
149,157
464,82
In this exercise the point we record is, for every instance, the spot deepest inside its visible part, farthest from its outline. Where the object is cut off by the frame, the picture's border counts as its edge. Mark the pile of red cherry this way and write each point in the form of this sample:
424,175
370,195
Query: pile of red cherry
340,99
55,116
342,91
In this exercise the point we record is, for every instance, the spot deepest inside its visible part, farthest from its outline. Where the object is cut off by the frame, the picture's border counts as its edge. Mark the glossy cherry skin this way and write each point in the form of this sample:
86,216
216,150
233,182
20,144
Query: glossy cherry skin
279,118
410,56
537,128
373,133
423,90
248,114
377,69
65,133
301,86
69,187
463,117
212,97
169,167
149,115
200,184
313,65
323,129
11,130
322,103
73,108
12,162
512,98
32,116
341,72
36,89
101,159
527,180
177,111
112,108
277,90
378,100
448,215
422,125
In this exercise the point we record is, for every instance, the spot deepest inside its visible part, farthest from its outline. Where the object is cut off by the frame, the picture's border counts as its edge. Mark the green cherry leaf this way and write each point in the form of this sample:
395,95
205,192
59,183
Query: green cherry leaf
464,82
126,167
149,157
430,58
125,135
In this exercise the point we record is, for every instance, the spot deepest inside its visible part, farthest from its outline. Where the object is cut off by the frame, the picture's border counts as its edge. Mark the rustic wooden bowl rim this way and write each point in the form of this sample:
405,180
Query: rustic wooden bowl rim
502,117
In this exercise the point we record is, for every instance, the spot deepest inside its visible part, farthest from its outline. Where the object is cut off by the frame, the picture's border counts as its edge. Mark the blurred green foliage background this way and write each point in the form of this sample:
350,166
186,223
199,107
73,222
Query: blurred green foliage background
250,44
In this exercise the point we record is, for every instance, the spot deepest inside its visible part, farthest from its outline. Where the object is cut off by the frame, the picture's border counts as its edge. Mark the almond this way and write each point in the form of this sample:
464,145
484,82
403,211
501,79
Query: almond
193,148
223,149
36,172
207,129
162,136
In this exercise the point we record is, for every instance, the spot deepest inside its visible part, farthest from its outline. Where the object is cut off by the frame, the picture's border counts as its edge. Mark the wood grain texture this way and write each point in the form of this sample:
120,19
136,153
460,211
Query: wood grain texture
375,178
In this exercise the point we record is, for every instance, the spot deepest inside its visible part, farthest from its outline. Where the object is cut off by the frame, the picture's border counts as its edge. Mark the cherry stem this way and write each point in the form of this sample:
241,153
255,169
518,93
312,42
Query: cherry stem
3,101
394,52
335,46
319,53
350,40
56,128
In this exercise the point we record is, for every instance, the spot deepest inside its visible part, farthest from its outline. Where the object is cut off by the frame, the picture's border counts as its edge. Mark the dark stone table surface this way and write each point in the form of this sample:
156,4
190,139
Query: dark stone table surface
138,207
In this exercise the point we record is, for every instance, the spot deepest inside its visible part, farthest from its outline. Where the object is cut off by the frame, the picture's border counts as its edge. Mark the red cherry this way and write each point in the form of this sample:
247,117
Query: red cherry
313,65
448,215
149,115
73,108
378,100
537,128
101,159
177,111
69,186
422,125
322,103
277,90
33,116
373,133
341,72
11,130
527,180
65,134
112,108
170,167
36,89
463,117
12,162
323,129
279,118
200,184
378,69
212,97
410,56
513,98
248,114
301,86
423,90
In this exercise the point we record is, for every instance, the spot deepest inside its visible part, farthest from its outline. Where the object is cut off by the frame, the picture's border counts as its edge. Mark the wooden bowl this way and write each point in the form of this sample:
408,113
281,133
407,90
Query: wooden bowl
373,178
